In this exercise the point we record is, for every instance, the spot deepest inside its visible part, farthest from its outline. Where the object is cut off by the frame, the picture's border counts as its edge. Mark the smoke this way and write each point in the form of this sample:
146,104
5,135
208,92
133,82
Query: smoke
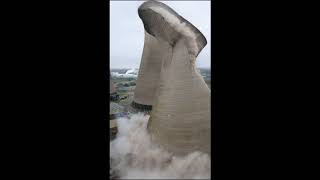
124,75
134,156
118,75
132,71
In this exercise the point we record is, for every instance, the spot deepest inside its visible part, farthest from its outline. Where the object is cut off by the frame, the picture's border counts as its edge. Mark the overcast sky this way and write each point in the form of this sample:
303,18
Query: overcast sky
127,32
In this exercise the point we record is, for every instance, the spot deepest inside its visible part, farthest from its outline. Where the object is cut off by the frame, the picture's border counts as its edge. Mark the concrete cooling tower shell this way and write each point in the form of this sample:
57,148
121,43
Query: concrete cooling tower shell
149,72
180,117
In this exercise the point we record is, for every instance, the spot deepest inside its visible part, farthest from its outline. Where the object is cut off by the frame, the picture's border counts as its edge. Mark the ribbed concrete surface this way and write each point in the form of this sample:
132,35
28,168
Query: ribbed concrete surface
180,119
149,72
168,80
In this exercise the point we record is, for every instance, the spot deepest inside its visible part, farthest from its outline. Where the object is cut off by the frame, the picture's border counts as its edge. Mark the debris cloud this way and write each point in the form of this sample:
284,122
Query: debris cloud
134,156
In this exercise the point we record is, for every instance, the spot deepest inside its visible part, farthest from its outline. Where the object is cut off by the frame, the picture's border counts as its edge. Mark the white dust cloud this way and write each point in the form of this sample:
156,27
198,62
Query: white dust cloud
134,156
131,73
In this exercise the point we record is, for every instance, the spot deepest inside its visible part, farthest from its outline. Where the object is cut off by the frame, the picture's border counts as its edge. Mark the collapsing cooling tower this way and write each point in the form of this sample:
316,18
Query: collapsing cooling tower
149,72
170,83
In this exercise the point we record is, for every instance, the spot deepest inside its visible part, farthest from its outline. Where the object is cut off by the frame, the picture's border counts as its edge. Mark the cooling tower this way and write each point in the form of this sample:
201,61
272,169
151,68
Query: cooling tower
149,72
169,81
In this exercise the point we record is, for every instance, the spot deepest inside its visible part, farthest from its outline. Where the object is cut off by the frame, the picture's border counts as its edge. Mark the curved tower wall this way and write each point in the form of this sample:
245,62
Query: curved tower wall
149,72
180,118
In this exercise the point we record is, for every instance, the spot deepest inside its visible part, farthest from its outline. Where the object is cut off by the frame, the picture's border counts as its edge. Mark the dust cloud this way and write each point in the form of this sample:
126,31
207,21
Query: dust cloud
134,156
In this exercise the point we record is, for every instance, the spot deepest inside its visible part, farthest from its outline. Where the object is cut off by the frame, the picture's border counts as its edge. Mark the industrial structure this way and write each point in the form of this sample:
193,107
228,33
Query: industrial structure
149,73
169,83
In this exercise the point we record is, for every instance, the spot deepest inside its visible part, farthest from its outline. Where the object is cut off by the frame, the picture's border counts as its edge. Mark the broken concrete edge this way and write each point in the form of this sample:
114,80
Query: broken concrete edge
141,107
177,22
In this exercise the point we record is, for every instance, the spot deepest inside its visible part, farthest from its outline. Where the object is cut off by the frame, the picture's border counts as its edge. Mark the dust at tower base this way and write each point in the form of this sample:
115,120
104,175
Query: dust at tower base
170,83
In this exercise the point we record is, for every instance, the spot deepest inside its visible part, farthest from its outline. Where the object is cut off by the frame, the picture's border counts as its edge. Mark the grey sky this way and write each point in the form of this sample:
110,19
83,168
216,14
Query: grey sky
127,32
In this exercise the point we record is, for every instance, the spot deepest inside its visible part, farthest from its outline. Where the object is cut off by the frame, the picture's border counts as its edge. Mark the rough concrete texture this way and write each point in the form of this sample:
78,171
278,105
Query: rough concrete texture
169,81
